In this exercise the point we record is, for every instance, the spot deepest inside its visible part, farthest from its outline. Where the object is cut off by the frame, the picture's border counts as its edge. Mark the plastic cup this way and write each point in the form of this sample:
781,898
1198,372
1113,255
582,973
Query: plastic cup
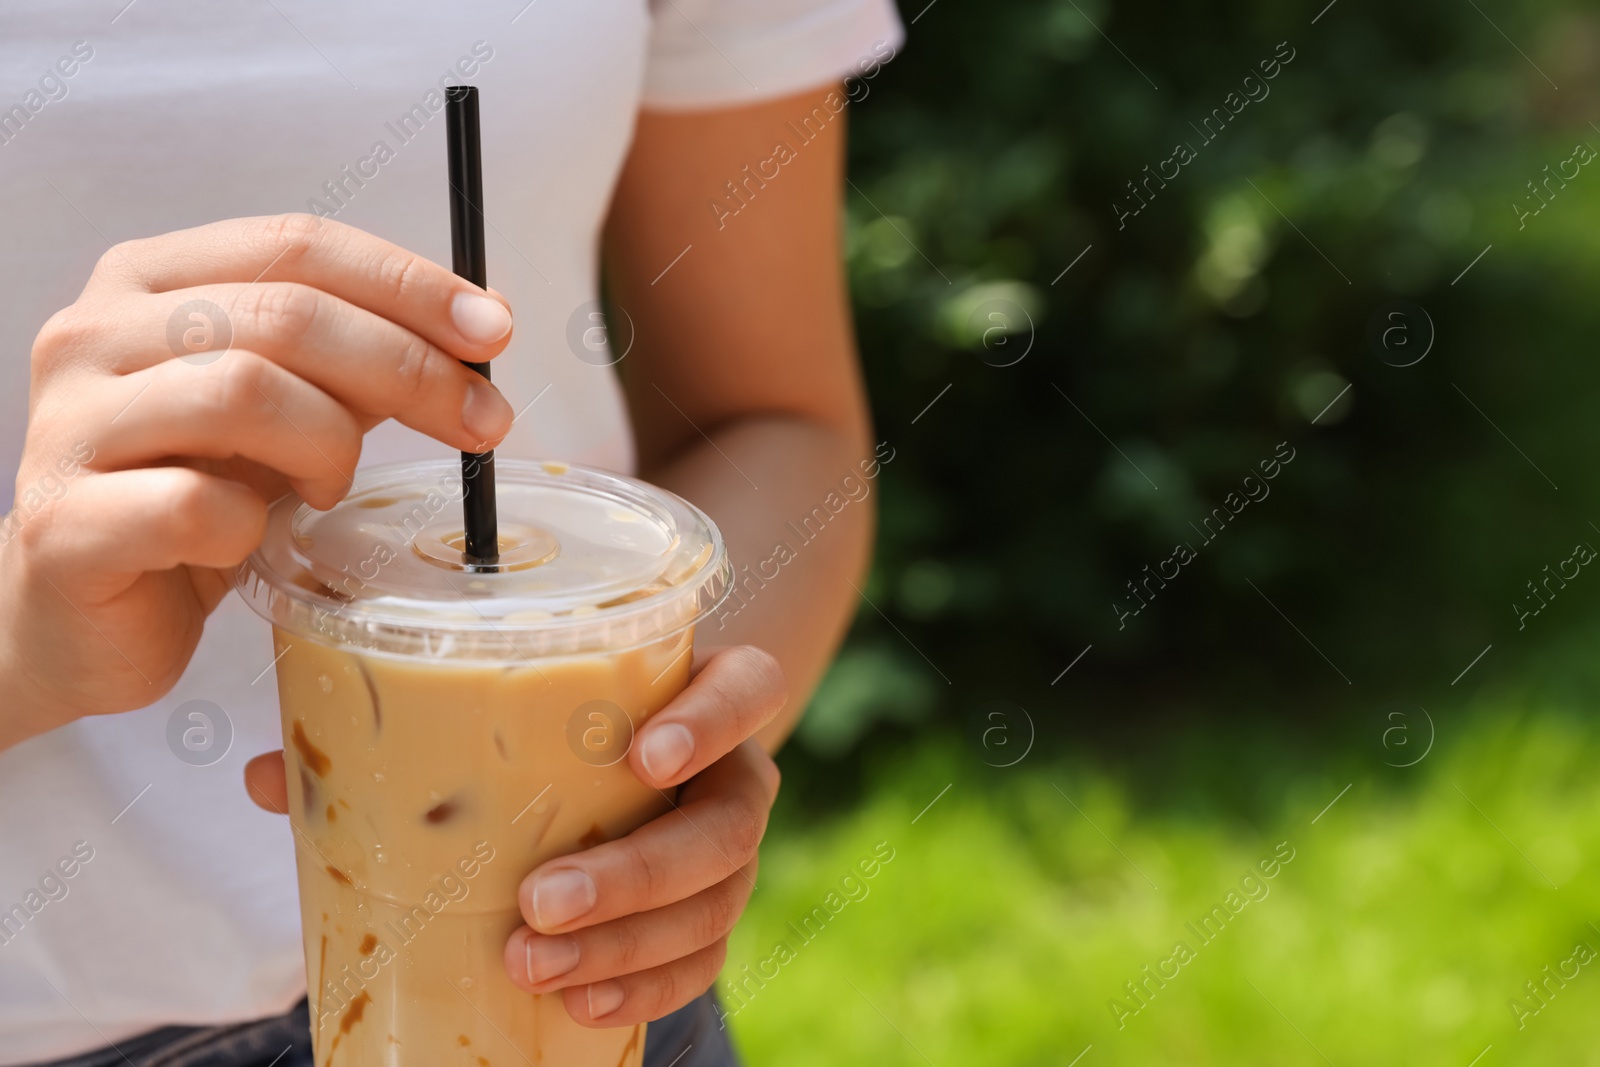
446,730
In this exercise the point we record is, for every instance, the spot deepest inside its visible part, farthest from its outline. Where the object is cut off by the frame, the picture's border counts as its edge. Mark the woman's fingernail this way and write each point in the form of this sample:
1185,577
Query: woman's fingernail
486,415
604,998
561,896
551,957
479,319
666,749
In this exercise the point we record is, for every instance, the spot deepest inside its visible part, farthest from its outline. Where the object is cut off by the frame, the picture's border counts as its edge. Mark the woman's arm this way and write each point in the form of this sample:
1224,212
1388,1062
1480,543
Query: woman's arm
742,377
745,399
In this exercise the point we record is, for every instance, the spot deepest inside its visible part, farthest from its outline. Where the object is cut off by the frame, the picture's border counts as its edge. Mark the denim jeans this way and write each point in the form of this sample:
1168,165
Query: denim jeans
689,1037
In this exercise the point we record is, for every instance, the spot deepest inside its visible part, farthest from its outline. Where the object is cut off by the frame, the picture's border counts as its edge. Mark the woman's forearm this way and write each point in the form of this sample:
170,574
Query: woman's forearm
741,373
26,710
795,501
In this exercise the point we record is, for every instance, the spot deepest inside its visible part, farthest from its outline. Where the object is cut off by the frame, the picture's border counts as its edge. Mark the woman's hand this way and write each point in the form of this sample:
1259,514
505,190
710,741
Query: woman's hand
145,476
637,927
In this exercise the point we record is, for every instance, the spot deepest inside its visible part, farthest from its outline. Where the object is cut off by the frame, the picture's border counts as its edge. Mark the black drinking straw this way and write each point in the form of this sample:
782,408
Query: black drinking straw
467,260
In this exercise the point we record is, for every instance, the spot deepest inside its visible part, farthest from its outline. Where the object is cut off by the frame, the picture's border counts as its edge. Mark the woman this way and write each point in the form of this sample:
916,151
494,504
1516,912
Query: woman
649,131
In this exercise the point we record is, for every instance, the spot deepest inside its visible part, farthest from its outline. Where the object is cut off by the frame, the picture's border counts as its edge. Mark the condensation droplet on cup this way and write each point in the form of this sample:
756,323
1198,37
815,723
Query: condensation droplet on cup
379,855
377,776
324,683
466,981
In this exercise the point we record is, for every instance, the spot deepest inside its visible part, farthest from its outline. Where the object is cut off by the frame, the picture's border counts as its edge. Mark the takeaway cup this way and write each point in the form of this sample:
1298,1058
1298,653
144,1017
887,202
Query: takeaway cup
448,728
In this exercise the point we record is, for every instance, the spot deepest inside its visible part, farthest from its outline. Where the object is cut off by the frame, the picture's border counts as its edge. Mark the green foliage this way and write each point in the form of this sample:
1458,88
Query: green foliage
1412,912
1046,457
1221,320
865,686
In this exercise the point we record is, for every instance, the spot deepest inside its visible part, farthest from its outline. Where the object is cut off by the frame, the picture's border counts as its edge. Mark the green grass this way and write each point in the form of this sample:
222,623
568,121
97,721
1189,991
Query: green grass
1008,919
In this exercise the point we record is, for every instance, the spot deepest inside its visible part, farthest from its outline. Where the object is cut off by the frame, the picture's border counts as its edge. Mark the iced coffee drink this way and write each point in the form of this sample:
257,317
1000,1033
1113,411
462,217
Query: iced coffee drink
447,729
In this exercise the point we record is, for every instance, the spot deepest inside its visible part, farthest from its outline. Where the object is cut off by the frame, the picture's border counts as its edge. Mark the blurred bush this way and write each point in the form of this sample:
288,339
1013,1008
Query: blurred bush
1095,418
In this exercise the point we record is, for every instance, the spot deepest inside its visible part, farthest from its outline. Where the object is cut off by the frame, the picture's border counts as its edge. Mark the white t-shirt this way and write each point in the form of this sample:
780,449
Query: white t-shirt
140,118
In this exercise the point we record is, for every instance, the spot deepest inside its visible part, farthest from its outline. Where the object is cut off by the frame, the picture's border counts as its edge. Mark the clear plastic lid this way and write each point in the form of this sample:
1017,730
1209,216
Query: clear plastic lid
590,562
